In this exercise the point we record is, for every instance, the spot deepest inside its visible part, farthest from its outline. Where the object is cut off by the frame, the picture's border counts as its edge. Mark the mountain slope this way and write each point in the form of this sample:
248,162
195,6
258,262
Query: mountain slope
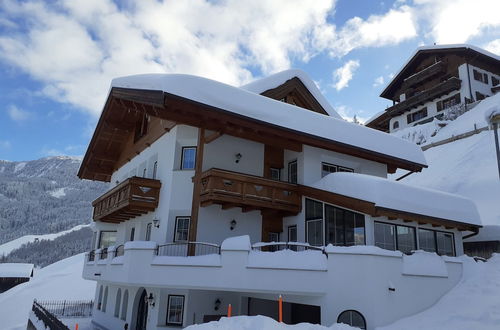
44,196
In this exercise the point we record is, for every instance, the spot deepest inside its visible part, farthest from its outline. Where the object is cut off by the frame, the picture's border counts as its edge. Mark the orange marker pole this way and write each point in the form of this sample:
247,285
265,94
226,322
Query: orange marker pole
229,310
280,309
76,326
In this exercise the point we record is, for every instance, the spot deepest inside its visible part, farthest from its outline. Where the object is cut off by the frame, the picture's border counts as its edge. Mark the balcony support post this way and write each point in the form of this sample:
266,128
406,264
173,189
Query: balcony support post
196,188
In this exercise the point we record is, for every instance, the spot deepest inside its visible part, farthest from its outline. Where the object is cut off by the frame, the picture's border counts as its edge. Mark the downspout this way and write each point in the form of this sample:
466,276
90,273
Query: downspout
404,176
474,233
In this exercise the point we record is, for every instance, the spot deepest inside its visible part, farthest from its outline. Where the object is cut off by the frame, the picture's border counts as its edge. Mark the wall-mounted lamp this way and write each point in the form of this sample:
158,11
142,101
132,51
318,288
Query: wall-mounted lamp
156,222
217,304
151,299
238,157
391,288
233,224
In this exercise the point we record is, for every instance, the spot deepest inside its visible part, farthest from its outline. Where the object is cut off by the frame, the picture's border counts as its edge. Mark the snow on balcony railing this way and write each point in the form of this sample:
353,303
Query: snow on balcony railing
185,249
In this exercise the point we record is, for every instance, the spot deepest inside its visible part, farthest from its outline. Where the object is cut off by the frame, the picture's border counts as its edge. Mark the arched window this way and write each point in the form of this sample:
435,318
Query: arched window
352,318
105,300
99,301
117,302
395,125
125,305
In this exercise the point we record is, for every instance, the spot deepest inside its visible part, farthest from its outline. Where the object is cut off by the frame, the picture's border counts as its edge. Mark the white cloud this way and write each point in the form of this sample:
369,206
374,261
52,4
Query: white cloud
348,114
379,81
493,46
344,74
17,114
5,144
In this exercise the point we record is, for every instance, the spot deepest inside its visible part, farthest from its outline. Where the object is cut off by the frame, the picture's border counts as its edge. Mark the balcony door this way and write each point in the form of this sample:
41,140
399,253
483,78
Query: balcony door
142,312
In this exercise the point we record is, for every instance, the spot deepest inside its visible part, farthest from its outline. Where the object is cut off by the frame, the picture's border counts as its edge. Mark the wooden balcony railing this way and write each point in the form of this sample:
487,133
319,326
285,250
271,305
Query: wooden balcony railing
425,96
232,189
424,74
131,198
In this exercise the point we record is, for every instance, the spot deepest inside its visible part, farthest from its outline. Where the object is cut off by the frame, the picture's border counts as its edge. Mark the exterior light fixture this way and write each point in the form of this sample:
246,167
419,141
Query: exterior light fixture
151,299
217,304
156,222
238,157
233,224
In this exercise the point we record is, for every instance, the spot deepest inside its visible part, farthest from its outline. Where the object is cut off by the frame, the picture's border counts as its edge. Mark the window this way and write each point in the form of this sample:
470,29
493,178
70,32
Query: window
105,300
117,302
182,229
480,96
175,310
141,128
314,230
445,245
395,237
482,77
99,301
275,173
124,305
155,168
188,160
344,227
395,125
449,102
426,240
148,231
292,171
292,233
352,318
494,81
132,233
106,239
327,168
420,114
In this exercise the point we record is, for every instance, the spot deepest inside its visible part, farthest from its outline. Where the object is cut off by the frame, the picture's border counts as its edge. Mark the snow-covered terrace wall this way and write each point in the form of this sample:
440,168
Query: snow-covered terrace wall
382,285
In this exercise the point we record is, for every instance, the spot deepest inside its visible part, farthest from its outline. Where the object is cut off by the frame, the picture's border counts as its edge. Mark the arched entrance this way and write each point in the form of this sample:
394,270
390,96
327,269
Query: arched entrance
140,317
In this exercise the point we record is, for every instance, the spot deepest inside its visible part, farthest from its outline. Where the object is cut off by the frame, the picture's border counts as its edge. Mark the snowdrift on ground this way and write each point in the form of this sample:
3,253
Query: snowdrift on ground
59,281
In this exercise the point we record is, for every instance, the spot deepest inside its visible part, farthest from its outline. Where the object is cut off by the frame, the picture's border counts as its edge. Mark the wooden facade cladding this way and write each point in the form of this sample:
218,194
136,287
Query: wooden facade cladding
428,95
425,74
131,198
231,189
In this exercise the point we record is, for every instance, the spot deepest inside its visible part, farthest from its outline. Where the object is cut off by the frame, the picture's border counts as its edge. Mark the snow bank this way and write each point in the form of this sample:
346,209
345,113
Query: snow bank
399,196
261,85
206,260
261,323
424,264
473,304
59,281
362,249
237,243
287,259
10,246
261,108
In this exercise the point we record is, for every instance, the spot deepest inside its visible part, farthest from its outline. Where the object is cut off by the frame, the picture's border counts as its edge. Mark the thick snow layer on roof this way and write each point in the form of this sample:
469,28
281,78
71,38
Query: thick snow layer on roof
399,196
257,107
15,270
261,85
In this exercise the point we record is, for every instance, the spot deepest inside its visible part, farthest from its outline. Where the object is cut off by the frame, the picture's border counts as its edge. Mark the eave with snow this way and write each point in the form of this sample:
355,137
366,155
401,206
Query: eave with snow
12,274
192,162
435,79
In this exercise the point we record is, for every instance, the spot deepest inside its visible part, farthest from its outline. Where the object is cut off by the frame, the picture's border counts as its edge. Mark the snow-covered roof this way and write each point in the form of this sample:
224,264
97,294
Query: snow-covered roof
399,196
486,234
261,85
279,114
439,47
15,270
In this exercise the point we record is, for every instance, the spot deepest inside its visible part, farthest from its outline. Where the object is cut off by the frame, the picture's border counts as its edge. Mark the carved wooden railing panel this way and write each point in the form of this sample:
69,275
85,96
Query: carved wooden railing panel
427,95
424,74
131,198
232,189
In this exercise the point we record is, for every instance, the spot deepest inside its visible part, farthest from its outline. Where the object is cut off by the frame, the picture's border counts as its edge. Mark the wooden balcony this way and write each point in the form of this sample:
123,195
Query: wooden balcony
425,96
424,74
232,189
131,198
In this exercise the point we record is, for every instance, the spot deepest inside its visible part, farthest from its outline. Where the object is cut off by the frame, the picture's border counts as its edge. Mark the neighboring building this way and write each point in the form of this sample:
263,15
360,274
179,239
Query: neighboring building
203,174
12,274
435,79
485,243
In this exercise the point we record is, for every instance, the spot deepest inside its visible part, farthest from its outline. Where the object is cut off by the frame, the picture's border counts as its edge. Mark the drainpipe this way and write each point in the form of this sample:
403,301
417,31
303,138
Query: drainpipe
404,176
495,131
470,235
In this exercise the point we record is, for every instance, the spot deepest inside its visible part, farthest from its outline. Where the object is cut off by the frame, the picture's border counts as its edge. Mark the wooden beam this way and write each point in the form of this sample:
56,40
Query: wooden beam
213,137
227,206
197,186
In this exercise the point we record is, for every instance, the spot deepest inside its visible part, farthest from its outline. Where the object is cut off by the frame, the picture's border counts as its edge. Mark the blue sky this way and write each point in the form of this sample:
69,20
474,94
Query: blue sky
57,58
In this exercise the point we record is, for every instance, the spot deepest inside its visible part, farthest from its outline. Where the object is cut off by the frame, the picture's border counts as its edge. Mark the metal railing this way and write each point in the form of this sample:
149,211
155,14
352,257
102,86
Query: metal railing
50,320
280,246
103,254
67,308
91,256
119,251
184,249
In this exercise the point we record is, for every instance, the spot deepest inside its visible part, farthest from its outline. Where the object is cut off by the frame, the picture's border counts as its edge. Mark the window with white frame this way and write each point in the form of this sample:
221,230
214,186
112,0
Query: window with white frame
314,222
395,237
292,171
327,168
148,231
182,229
426,240
188,159
443,243
175,310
